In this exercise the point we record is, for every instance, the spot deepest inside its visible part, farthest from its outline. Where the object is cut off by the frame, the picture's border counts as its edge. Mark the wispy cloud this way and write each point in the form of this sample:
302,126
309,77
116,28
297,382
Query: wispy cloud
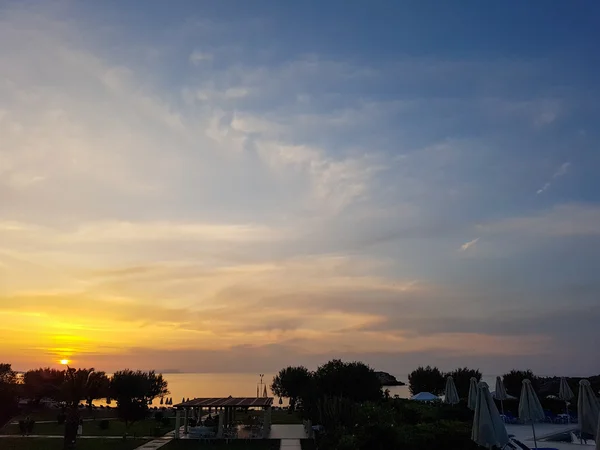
197,57
467,245
561,171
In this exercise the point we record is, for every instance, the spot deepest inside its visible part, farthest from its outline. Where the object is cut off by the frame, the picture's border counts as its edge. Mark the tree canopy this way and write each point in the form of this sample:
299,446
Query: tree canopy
426,379
292,383
43,382
352,380
134,390
462,379
513,381
8,392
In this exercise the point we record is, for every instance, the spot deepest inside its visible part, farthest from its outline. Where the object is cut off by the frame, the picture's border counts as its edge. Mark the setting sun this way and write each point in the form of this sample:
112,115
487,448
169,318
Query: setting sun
64,362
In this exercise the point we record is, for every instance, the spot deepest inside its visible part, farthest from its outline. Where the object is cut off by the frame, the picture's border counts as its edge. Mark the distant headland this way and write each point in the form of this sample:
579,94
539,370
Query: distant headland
388,380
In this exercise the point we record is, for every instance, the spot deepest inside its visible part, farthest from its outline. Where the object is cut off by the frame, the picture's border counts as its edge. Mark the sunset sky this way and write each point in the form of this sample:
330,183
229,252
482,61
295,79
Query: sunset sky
222,186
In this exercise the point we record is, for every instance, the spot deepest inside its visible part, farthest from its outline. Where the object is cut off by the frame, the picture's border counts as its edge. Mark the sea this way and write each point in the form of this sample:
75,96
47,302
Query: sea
195,385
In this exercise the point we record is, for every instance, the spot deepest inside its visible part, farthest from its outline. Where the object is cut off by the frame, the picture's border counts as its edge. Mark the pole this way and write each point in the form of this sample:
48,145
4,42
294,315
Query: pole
534,438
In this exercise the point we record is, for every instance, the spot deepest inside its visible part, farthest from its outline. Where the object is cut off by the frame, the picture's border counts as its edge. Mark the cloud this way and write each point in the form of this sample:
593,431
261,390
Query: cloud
197,57
164,202
560,172
543,188
468,245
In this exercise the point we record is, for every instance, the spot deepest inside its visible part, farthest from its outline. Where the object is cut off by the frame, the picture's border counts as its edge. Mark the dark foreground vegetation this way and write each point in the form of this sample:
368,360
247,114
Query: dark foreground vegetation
352,412
132,391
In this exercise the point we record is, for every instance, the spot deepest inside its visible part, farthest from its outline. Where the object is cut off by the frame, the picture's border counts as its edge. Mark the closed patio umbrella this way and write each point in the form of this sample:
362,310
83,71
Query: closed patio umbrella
265,392
587,408
565,393
472,399
450,394
162,401
530,408
488,428
598,435
500,393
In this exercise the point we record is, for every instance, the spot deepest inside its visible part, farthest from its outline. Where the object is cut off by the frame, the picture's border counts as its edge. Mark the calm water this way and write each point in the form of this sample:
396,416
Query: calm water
184,385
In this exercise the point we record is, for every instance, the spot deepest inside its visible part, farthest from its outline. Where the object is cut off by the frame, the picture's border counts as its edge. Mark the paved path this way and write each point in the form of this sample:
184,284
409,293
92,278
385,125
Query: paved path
290,444
288,432
156,443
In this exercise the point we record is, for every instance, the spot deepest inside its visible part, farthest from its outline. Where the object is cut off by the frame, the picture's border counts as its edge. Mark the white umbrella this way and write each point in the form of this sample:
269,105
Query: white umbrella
530,407
565,393
450,394
472,400
587,408
500,393
488,427
425,397
598,435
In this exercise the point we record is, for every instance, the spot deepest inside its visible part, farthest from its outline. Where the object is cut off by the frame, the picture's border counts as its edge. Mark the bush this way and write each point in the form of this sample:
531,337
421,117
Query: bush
166,421
104,424
61,418
159,416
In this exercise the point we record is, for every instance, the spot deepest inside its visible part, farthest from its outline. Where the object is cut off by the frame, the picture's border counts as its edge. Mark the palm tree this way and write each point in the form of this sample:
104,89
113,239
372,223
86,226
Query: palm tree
78,383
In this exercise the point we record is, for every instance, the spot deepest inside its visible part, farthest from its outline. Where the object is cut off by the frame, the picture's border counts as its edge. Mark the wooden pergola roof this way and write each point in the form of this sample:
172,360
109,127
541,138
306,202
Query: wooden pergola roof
231,402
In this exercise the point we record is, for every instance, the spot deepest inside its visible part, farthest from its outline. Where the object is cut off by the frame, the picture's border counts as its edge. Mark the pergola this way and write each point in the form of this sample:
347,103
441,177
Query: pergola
226,407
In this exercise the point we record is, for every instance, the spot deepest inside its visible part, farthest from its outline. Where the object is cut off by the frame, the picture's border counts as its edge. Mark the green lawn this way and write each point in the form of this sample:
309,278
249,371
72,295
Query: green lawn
115,428
57,444
278,417
255,444
85,413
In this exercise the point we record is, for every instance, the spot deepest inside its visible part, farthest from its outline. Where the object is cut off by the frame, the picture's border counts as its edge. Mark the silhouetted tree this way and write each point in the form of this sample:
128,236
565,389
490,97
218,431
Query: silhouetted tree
293,383
75,388
352,380
133,391
8,392
513,381
98,386
44,382
426,379
462,379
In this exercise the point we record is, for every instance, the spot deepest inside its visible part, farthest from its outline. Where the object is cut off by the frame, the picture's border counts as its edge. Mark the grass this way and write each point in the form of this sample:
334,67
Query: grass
115,428
255,444
50,414
57,444
278,417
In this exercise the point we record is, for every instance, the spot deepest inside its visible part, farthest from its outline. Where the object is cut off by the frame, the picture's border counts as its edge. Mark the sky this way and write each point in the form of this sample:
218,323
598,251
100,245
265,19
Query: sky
231,186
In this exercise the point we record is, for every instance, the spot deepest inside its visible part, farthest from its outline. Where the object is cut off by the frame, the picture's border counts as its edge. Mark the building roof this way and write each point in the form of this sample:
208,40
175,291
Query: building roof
217,402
